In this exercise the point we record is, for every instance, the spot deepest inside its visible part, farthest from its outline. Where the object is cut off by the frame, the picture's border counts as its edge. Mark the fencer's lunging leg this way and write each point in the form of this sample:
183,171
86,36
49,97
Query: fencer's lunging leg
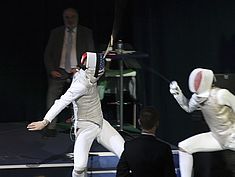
186,164
111,139
204,142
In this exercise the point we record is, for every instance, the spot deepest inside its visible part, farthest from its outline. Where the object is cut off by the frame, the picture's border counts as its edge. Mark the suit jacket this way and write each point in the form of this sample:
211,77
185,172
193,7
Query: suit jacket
146,156
54,47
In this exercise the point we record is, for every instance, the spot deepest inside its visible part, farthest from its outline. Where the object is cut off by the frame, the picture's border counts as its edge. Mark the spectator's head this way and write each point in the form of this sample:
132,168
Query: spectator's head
149,119
70,17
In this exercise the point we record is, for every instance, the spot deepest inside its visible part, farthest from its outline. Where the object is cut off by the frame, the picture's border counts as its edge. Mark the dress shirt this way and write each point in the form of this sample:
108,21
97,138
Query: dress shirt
73,59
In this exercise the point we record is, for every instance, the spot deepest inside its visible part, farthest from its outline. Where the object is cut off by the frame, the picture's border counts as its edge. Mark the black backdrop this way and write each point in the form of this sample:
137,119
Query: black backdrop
178,35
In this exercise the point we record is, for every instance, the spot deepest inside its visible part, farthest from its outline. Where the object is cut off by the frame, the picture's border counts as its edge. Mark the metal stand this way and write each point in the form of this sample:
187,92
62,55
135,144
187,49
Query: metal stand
121,101
121,55
121,95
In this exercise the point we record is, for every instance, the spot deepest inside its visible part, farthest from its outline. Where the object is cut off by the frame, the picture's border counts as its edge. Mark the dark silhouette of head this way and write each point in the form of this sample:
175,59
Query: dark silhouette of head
149,119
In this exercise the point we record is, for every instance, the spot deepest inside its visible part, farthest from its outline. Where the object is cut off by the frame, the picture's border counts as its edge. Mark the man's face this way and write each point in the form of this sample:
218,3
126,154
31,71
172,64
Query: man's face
70,18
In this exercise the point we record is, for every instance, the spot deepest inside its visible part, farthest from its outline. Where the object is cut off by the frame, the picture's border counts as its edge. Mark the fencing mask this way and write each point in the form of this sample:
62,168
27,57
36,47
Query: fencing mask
200,81
93,64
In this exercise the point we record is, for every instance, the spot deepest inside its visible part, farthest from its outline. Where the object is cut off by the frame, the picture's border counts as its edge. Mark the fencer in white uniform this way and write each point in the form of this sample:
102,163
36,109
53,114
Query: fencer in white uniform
89,122
218,109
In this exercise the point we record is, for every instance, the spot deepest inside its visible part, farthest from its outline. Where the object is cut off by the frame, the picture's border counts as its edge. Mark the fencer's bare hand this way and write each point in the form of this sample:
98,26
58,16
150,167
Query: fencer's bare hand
174,88
55,74
39,125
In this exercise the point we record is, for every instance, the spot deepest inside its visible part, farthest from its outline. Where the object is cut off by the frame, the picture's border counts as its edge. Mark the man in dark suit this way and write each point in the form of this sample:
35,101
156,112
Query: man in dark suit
63,52
146,156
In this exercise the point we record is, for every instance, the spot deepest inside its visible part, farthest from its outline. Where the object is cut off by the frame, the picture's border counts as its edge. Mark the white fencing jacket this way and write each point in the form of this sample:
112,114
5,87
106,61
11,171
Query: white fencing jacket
85,98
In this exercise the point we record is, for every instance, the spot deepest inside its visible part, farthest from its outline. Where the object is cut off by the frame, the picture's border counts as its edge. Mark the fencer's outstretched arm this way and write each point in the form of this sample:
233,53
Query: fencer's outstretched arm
189,105
77,89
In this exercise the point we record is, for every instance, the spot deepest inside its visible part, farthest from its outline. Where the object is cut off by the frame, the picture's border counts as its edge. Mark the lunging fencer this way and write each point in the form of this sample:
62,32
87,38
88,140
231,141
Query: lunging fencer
89,123
218,109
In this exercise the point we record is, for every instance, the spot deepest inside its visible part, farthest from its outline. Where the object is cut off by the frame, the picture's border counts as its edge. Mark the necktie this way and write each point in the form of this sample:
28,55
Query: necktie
68,51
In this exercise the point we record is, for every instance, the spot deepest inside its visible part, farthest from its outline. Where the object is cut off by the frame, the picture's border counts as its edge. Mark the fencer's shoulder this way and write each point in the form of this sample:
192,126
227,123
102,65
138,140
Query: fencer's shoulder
223,92
76,75
80,77
80,74
225,97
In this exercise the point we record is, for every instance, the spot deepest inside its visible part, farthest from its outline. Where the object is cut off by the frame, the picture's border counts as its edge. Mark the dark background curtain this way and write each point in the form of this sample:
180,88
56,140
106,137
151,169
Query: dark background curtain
178,36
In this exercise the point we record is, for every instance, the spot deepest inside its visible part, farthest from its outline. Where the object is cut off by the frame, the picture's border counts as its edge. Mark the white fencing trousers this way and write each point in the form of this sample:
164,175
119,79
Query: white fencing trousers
111,139
87,132
204,142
